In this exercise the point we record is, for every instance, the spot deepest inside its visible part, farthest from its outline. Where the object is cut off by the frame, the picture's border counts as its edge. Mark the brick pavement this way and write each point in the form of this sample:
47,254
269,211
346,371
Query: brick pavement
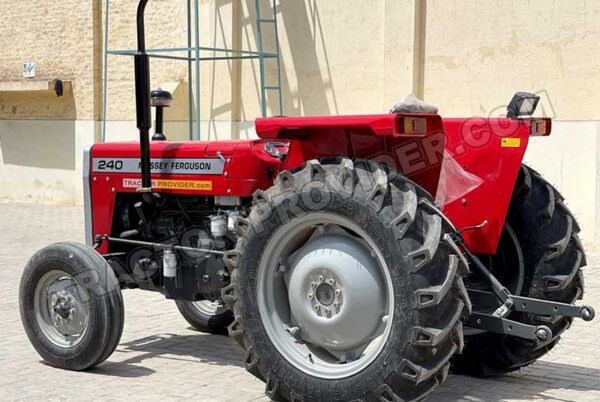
160,357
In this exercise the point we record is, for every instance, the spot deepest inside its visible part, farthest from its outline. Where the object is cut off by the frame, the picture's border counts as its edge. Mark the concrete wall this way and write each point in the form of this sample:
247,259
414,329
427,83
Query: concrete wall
570,160
478,53
335,60
468,57
42,160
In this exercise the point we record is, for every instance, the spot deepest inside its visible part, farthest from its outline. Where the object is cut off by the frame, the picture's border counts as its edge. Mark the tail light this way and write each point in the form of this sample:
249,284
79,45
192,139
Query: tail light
413,125
540,127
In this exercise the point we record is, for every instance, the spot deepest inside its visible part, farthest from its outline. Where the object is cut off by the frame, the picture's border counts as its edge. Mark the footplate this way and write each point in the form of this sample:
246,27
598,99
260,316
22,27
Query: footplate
534,306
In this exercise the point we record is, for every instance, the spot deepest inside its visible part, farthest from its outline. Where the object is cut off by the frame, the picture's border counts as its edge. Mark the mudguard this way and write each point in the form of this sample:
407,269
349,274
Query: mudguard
491,150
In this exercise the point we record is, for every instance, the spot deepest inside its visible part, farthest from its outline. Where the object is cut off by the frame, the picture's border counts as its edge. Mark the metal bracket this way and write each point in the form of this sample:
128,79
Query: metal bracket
503,301
505,326
535,306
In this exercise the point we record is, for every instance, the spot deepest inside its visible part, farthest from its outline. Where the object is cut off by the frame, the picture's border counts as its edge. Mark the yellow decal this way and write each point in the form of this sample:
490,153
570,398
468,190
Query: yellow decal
194,185
199,185
510,143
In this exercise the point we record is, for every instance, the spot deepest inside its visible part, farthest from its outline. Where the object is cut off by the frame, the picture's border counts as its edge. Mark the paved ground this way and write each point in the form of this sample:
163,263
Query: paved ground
161,358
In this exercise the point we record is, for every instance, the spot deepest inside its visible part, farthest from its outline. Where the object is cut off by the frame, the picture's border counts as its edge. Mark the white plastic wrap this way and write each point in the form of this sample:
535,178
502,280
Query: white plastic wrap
455,182
412,104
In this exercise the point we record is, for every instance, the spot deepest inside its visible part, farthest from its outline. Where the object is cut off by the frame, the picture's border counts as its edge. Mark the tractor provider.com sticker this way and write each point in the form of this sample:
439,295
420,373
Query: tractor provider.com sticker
195,185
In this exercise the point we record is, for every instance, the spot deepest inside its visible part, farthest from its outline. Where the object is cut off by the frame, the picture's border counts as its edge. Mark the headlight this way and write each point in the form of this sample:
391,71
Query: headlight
272,150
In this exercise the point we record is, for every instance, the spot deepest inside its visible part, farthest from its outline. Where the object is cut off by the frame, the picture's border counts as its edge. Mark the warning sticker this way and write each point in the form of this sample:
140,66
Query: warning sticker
197,185
510,143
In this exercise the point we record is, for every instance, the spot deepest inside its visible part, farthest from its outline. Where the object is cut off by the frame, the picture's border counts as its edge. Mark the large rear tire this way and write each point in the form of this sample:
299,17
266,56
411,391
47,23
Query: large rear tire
71,306
552,259
345,288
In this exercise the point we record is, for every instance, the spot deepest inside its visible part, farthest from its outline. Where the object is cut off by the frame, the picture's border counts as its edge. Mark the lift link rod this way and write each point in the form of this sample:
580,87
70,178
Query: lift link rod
496,322
499,290
535,306
101,239
540,334
142,99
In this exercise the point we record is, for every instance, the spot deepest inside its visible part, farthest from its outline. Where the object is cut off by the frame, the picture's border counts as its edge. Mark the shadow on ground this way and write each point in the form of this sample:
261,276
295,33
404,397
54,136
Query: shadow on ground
538,381
196,347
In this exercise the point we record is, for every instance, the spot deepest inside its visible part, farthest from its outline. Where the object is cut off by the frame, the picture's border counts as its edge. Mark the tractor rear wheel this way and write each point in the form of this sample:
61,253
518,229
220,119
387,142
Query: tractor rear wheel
550,256
206,316
344,287
71,306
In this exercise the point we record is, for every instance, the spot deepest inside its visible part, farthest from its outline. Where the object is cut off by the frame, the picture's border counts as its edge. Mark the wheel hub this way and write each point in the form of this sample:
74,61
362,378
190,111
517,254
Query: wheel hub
334,284
60,309
62,305
325,294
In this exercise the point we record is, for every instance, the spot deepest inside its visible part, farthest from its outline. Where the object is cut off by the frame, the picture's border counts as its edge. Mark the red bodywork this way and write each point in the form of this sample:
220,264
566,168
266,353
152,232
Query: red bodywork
476,144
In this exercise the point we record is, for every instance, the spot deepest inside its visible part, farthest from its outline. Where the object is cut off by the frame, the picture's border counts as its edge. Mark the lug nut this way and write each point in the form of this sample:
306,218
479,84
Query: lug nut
310,296
331,281
313,284
338,292
321,278
317,307
336,304
327,311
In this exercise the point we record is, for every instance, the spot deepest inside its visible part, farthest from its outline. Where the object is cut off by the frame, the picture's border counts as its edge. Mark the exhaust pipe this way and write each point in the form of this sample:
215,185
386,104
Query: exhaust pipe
142,99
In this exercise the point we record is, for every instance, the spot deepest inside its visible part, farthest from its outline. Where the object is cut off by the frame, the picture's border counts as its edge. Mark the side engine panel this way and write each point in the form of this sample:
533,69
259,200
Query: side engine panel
194,222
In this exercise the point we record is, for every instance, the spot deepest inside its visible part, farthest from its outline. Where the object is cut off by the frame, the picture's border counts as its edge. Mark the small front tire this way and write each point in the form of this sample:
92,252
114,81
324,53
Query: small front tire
71,306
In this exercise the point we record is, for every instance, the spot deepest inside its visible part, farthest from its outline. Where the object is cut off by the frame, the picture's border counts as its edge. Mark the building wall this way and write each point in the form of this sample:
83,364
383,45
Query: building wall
480,52
468,57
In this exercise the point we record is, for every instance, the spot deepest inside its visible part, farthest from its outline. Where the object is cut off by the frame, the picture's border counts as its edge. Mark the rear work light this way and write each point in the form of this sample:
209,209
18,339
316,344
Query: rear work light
540,127
413,125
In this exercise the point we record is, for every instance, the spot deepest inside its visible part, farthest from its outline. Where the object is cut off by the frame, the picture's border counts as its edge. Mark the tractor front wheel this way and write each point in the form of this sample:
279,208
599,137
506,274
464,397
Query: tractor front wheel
539,256
71,306
345,288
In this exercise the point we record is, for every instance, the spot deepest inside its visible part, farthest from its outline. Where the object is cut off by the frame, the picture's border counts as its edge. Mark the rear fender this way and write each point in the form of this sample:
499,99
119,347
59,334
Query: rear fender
382,138
492,150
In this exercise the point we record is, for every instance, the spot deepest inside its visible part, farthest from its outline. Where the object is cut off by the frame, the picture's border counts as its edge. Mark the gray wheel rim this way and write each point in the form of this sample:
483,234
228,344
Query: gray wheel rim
61,309
352,287
211,308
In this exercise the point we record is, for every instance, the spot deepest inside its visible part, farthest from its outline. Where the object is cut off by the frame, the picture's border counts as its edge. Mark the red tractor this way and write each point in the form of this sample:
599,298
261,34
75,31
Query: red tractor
321,247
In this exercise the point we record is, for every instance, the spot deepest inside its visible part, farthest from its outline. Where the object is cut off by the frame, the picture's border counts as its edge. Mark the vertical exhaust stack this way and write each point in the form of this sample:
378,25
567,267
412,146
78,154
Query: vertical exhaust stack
142,99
